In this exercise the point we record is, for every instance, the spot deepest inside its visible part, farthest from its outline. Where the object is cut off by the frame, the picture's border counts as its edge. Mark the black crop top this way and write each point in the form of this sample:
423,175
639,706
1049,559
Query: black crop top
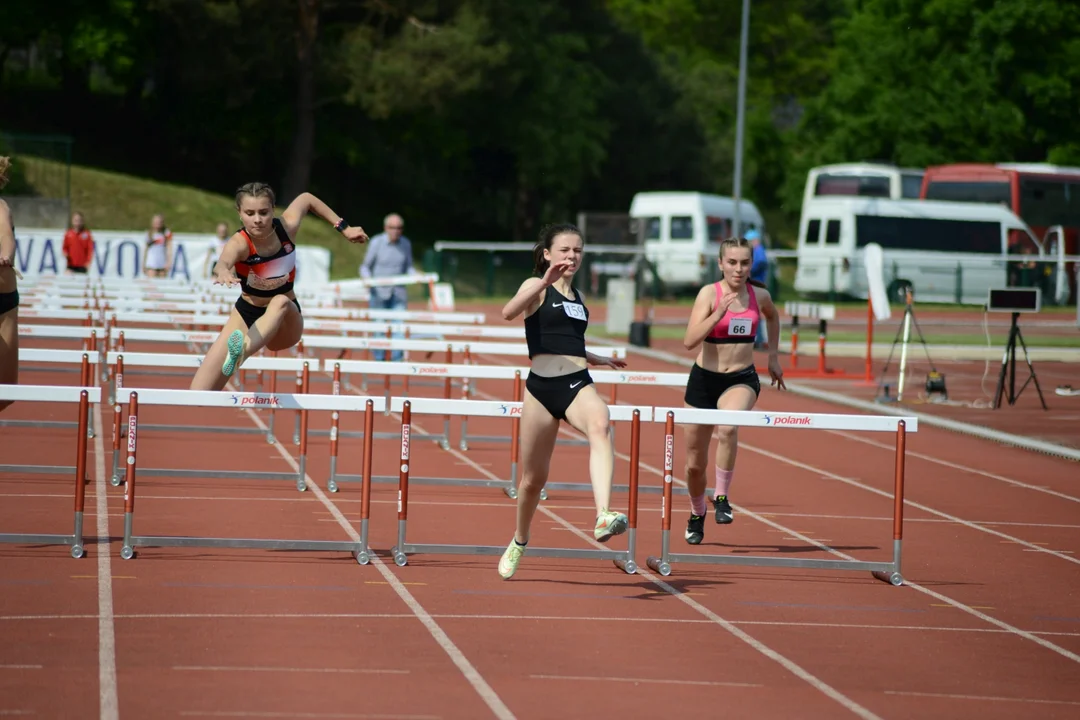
558,326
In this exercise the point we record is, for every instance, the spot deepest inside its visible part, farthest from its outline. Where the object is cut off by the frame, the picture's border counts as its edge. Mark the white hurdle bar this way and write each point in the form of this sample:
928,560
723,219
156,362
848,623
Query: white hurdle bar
241,401
121,361
87,360
623,559
84,396
885,571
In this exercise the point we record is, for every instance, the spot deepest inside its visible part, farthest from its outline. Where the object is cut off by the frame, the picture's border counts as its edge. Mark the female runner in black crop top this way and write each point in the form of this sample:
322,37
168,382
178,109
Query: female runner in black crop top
559,386
264,253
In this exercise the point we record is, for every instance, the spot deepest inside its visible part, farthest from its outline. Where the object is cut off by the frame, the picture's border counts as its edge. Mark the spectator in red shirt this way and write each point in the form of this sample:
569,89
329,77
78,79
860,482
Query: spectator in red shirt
78,246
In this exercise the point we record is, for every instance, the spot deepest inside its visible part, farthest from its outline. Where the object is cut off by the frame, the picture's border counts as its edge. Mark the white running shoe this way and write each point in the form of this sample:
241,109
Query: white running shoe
609,524
510,559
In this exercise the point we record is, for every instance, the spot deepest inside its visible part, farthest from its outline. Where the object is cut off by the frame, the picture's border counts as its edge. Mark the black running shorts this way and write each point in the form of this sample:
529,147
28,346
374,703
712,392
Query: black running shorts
556,393
704,387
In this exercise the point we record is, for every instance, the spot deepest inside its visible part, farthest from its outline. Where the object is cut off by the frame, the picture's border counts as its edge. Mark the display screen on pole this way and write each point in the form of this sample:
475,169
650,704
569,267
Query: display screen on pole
1020,300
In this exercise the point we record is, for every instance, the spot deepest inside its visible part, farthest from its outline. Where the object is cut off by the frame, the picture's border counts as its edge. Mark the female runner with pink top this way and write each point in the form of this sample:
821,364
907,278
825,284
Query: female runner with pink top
725,317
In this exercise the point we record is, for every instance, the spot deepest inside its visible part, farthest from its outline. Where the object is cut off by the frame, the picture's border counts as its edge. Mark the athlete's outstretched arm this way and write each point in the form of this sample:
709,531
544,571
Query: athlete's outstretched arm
305,203
7,238
235,250
611,362
528,298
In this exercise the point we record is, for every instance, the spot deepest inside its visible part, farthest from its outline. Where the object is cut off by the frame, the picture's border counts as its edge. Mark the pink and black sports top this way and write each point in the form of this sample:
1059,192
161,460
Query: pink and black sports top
268,276
736,327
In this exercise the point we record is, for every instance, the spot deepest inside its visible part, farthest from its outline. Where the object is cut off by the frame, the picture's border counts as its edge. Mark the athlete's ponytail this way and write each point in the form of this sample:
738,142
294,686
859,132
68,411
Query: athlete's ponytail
548,233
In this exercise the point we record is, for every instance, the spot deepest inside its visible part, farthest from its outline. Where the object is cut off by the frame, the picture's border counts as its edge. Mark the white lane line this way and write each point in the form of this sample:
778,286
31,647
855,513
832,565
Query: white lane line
955,466
479,684
984,698
109,697
912,503
757,645
927,591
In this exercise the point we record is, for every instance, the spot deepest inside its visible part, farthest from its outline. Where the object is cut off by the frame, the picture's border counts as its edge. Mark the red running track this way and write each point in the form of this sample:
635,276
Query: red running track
986,626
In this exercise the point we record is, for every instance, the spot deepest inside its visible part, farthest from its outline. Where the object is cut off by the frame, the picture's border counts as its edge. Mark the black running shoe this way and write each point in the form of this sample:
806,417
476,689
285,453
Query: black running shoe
695,529
724,515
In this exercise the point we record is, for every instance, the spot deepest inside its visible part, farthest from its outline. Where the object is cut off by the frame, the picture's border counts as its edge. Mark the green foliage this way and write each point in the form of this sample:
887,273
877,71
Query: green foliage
481,119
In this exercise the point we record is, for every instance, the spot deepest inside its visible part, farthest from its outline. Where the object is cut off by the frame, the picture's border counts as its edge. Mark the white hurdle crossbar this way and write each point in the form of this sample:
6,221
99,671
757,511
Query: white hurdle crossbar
84,397
302,402
623,559
885,571
87,360
122,361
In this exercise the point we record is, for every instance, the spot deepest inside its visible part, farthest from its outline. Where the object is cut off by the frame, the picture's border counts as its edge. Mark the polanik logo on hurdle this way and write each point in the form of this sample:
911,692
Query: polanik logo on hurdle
793,420
256,400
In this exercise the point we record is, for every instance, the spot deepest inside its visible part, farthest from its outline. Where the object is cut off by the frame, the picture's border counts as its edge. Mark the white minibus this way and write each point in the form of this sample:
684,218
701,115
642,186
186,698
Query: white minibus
944,251
682,231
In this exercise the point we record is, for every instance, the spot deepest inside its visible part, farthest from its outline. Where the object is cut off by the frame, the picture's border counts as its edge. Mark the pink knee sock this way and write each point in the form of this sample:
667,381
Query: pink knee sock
723,481
697,504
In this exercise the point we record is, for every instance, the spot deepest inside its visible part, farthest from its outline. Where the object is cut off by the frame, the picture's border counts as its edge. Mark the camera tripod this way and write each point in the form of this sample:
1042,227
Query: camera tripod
935,381
1008,364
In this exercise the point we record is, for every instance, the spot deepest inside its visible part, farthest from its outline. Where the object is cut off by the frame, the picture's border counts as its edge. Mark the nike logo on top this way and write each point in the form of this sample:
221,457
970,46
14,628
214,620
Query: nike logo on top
556,304
574,385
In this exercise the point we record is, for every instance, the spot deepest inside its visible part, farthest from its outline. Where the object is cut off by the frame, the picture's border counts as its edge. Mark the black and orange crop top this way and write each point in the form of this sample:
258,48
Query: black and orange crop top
268,276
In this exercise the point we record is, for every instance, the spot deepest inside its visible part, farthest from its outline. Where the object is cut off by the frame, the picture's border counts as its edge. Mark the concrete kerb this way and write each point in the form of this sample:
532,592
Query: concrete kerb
980,431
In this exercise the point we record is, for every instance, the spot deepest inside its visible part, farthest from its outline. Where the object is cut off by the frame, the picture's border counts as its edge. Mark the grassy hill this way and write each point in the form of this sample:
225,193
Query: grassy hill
114,201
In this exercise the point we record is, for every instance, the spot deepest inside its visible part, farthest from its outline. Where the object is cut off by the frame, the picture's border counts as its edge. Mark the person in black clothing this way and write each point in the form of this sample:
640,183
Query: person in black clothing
9,293
260,257
559,386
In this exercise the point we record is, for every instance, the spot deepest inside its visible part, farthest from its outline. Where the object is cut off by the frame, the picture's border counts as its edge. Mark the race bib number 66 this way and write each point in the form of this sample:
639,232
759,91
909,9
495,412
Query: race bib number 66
575,311
739,327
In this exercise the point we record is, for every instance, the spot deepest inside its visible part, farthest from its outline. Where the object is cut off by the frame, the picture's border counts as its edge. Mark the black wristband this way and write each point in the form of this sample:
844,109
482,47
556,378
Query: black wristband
341,225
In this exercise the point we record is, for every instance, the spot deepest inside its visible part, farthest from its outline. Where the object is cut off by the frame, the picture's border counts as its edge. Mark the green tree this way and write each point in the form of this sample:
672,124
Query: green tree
920,83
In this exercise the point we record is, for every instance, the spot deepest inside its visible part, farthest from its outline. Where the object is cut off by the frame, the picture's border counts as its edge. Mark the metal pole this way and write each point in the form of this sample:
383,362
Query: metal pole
740,118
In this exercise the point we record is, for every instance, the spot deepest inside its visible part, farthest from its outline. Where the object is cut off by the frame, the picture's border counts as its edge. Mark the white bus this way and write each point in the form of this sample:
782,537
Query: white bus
937,248
863,180
682,231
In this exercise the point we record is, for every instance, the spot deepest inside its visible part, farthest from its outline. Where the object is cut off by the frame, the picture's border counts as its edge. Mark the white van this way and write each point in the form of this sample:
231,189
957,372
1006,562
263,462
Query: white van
924,244
682,231
863,180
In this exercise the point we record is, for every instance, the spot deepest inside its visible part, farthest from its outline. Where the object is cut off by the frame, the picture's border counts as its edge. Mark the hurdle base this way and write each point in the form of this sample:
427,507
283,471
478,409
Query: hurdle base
127,552
74,541
388,479
584,487
622,558
884,571
38,469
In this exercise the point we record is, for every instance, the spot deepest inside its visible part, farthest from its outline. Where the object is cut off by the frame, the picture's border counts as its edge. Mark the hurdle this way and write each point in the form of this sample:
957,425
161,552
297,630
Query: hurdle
209,399
823,313
84,396
623,559
885,571
59,357
260,401
121,363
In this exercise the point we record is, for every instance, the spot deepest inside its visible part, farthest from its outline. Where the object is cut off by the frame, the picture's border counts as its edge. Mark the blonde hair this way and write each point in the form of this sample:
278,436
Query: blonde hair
254,189
5,165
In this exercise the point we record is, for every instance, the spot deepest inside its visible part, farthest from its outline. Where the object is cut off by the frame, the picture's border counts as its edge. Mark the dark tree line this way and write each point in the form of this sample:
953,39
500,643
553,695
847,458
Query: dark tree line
479,119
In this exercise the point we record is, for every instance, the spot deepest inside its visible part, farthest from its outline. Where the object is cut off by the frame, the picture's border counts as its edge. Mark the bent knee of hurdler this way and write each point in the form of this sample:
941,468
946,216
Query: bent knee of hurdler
278,303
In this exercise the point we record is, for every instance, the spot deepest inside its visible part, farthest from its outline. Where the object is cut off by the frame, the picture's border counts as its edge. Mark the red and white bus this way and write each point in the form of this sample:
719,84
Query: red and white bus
1046,197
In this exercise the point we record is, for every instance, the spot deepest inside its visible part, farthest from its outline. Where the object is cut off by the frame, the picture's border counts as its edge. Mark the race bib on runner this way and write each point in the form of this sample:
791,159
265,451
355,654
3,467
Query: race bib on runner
739,327
575,311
